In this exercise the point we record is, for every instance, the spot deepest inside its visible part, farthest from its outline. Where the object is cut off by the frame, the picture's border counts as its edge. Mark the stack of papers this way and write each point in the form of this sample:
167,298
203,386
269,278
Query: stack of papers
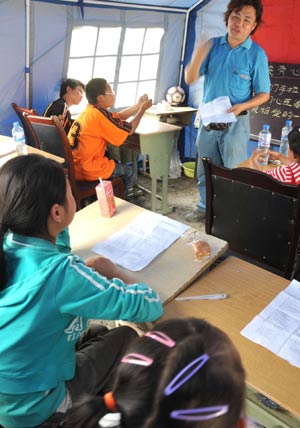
277,327
215,111
137,244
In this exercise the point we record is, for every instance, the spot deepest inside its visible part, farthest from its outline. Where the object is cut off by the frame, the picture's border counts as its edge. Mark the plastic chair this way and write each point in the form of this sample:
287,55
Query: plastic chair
53,139
257,215
30,136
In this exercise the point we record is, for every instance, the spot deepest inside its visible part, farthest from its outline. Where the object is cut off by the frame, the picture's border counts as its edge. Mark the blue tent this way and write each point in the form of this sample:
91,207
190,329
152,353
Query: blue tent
35,44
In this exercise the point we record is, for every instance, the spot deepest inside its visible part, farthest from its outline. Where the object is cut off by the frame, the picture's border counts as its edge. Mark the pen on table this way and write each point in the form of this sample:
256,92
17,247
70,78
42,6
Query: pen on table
218,296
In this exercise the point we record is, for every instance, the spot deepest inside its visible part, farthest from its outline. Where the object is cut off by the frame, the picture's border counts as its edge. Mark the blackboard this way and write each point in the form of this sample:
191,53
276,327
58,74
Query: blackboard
284,101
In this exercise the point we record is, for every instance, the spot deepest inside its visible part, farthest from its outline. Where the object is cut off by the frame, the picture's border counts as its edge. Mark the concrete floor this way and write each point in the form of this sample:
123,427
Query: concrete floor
182,195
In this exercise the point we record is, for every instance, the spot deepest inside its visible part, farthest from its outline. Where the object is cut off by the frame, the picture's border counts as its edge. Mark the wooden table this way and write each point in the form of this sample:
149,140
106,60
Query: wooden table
169,273
251,289
180,116
155,140
246,164
8,151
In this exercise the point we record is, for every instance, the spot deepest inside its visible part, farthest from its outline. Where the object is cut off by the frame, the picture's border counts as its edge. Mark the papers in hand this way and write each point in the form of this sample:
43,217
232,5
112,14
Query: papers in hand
215,111
277,327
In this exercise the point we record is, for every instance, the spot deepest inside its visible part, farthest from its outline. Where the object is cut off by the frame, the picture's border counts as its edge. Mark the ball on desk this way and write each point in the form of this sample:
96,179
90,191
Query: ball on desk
175,95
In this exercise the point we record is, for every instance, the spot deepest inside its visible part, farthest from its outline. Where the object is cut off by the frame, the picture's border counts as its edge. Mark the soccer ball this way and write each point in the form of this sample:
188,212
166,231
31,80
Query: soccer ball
175,95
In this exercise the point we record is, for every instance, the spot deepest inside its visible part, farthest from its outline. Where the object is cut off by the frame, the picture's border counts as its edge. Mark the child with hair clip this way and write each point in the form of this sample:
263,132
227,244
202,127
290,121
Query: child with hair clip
183,373
47,294
289,171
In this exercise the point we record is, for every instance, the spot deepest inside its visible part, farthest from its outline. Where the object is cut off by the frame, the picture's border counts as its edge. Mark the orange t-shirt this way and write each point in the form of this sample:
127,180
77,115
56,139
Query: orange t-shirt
88,136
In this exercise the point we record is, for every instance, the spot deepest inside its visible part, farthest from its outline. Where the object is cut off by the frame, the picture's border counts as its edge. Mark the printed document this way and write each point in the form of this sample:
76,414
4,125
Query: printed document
137,244
215,111
277,327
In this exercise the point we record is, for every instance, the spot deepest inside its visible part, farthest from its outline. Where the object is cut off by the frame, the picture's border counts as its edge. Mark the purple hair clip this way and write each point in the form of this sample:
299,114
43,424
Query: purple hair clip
138,359
195,365
161,337
200,414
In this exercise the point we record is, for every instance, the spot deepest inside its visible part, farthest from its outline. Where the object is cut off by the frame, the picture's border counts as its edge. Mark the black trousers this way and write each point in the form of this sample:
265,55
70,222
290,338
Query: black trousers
98,353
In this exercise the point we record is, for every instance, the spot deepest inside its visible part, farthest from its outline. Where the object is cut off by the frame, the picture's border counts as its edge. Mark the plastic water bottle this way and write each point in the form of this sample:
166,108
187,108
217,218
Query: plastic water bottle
284,145
264,142
19,137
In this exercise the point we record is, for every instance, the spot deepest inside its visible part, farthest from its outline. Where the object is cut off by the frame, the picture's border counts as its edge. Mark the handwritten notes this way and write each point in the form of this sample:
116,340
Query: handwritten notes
284,102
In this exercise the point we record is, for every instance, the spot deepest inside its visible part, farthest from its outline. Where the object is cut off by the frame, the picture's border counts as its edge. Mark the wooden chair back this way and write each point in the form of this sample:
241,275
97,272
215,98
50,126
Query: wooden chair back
30,136
257,215
53,139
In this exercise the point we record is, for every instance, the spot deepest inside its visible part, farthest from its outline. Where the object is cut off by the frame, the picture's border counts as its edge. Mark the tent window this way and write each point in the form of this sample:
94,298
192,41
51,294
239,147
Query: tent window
128,58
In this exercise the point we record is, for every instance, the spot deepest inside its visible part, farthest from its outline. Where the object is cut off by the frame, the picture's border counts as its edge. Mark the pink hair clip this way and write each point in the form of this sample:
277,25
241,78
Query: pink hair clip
161,337
138,359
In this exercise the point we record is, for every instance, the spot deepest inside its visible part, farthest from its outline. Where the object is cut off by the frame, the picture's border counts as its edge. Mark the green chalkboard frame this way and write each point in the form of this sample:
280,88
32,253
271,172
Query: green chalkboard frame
284,101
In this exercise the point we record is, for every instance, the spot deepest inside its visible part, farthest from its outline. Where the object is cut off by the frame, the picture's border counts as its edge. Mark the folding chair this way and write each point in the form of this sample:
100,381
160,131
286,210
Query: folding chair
30,136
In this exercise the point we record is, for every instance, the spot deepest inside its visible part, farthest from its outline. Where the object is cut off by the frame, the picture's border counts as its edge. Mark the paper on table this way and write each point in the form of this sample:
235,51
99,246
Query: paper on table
277,327
137,244
7,146
215,111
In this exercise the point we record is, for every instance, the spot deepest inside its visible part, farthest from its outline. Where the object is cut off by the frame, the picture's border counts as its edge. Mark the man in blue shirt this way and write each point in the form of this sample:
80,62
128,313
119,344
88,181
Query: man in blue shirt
235,66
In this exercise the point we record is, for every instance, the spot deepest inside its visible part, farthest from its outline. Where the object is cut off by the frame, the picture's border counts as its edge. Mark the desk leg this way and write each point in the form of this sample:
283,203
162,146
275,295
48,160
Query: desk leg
159,149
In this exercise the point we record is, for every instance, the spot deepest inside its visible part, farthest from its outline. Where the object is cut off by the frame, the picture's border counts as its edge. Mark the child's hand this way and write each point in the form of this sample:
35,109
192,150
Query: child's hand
284,160
107,268
103,266
146,104
254,160
142,99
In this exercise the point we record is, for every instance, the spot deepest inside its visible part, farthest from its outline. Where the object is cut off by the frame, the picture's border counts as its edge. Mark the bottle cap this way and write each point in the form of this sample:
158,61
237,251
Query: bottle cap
266,127
288,123
16,124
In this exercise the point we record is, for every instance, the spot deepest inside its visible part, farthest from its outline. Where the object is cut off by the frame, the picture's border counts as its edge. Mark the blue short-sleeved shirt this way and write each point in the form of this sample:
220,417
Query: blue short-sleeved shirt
235,72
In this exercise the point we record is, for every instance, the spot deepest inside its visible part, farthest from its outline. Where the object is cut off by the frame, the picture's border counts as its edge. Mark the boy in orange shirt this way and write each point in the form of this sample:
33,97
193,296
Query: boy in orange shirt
96,126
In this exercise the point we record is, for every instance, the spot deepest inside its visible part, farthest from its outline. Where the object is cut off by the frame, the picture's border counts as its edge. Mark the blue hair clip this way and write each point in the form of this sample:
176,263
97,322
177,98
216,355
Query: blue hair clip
176,382
200,414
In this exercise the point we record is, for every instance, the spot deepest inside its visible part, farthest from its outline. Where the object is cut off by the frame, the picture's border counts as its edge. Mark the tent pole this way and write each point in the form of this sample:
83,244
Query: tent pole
27,55
183,46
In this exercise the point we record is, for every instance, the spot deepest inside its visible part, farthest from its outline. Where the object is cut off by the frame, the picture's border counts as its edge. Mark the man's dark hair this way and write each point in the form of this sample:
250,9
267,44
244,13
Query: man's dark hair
94,88
237,5
71,83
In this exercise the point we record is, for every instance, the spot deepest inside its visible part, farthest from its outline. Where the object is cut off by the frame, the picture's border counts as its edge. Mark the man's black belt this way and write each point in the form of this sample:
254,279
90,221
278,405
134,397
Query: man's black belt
221,126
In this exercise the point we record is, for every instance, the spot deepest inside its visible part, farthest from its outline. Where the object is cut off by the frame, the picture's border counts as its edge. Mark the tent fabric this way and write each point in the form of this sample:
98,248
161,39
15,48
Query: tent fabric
167,4
51,27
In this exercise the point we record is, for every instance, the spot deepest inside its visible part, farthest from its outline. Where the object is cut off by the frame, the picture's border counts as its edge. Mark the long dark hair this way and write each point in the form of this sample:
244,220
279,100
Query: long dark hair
29,186
139,391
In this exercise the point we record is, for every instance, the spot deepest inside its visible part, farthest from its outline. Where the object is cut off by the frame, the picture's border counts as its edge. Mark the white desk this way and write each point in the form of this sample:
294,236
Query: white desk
155,140
180,116
8,151
171,272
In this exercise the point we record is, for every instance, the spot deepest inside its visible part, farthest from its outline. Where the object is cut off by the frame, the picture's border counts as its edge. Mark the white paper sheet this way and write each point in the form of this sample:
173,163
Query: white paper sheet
7,146
277,327
137,244
215,111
